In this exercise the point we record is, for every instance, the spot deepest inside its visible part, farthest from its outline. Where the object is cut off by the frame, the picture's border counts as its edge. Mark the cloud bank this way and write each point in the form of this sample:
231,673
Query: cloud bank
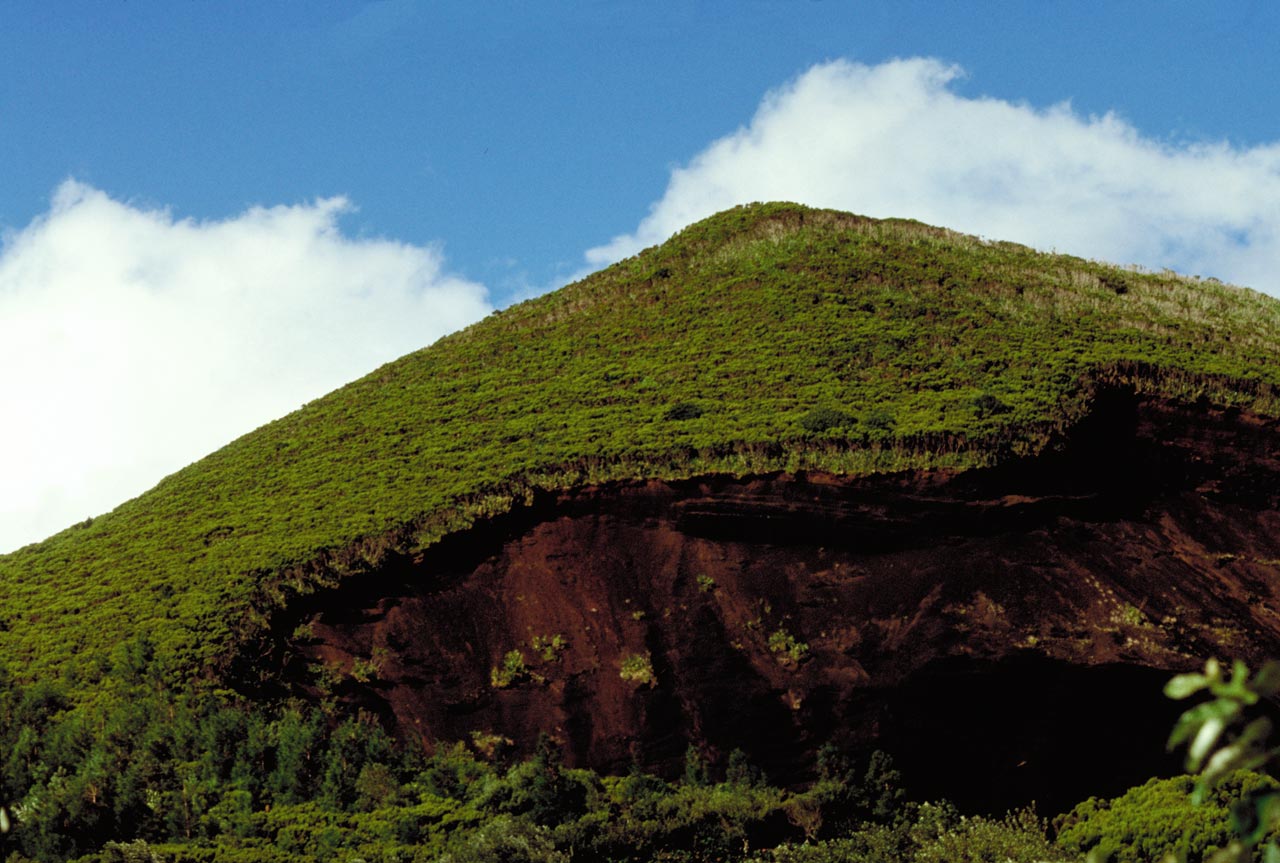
132,342
896,140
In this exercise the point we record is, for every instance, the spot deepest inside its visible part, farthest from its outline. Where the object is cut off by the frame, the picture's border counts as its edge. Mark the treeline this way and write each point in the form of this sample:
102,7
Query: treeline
195,774
138,761
144,773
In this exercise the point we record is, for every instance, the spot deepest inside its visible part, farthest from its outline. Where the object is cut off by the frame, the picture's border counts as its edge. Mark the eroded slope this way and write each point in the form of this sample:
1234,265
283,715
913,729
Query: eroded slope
1016,621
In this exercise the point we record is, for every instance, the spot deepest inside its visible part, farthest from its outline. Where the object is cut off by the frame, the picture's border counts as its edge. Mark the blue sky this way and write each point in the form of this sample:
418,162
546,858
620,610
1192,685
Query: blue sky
520,133
214,212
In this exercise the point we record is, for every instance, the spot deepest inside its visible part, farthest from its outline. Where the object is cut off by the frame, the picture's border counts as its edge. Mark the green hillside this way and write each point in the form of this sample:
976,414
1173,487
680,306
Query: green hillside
768,337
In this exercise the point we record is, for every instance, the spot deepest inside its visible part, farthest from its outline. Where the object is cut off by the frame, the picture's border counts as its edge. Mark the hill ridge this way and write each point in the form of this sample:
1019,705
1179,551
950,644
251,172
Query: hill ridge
769,337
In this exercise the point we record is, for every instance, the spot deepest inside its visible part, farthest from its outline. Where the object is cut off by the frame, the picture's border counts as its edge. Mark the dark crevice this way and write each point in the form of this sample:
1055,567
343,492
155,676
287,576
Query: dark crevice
994,735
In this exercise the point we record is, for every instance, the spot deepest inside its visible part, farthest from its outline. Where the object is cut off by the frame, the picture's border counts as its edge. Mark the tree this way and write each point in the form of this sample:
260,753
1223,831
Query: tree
542,789
696,772
740,770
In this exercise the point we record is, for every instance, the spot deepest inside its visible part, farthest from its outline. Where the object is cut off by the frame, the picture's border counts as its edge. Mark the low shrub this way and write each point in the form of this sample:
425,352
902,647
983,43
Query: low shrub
683,411
512,671
637,668
821,419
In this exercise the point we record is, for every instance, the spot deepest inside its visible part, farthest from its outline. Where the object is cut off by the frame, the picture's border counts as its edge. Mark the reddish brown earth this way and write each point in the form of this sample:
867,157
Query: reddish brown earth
1004,632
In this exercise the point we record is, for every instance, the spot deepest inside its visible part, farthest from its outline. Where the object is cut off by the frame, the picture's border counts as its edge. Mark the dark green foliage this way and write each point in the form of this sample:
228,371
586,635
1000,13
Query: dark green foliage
740,770
293,772
541,788
697,772
194,776
376,787
881,791
140,762
849,792
879,420
821,419
683,411
453,772
354,745
834,765
987,405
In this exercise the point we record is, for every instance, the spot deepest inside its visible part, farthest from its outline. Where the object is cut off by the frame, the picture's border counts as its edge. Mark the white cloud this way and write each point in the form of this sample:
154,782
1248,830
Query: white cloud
896,140
132,343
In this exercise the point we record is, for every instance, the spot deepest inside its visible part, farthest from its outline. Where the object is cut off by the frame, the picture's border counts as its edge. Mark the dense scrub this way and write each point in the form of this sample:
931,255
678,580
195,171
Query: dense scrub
768,337
1156,819
199,776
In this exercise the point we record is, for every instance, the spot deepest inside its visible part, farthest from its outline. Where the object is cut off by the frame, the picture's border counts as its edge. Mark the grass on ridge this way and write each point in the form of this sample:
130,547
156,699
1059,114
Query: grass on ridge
769,337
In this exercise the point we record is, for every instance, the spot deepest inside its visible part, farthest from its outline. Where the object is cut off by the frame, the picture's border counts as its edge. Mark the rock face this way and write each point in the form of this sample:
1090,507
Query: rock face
1001,632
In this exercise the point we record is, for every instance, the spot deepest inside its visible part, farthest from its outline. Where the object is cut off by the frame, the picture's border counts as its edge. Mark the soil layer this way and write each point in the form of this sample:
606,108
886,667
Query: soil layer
1001,632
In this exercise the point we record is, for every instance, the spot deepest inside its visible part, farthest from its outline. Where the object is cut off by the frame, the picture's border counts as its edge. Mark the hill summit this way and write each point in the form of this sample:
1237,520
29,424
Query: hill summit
789,456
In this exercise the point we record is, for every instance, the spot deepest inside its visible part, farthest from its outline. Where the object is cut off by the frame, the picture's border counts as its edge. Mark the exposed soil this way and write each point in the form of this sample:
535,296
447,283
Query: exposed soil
1005,632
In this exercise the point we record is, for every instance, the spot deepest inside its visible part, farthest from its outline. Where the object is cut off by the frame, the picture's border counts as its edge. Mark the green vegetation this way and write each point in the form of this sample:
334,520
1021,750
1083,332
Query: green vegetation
683,411
512,671
549,647
769,337
1156,819
785,646
200,775
821,419
365,670
637,668
1228,735
1131,615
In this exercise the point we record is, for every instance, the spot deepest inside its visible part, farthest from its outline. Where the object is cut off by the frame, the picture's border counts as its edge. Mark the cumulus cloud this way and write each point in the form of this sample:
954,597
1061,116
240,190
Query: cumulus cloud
133,342
895,139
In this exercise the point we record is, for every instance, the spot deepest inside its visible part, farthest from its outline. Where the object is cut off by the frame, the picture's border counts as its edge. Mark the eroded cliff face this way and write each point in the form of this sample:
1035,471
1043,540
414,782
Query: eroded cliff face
1005,633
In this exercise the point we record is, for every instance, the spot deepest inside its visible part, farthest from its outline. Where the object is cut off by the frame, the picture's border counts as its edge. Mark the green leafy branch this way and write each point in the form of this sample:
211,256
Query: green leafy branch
1224,735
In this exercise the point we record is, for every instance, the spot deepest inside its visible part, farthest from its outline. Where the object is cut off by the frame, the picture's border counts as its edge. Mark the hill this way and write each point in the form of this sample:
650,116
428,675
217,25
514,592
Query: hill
769,337
793,478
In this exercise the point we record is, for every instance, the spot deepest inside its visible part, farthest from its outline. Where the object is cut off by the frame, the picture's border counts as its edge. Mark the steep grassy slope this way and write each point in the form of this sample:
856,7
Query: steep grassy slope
768,337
